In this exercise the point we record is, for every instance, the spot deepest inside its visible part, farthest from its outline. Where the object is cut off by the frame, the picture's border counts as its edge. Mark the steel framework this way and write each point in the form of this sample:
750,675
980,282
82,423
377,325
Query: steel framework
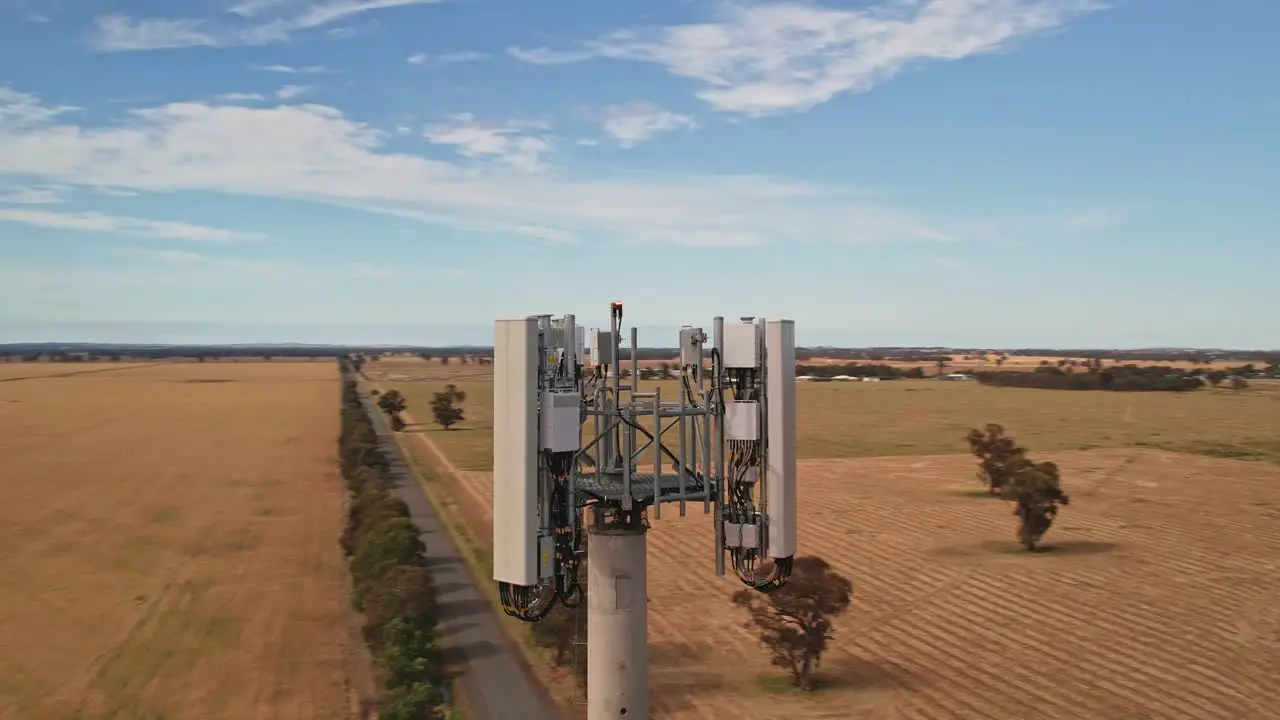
579,447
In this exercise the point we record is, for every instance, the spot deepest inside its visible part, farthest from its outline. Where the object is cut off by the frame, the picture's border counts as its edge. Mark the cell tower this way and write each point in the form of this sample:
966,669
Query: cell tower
577,449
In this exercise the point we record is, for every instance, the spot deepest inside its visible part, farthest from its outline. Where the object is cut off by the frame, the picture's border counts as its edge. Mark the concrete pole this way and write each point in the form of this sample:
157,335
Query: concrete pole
617,618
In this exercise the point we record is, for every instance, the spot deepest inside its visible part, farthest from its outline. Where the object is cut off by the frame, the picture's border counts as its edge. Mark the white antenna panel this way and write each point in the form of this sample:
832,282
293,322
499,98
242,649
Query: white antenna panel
515,445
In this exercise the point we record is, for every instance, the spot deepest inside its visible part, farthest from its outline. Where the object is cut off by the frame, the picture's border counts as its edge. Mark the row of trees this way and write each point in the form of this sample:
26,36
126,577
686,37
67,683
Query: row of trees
860,370
1120,379
391,585
1165,356
444,407
1127,378
463,359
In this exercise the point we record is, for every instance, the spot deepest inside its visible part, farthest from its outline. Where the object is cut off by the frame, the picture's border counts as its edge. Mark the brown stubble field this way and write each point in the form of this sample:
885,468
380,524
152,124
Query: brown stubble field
1159,595
168,544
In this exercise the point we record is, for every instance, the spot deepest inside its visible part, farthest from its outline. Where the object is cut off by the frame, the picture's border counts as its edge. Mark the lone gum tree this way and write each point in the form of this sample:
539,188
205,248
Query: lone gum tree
997,453
794,621
1035,488
444,406
393,403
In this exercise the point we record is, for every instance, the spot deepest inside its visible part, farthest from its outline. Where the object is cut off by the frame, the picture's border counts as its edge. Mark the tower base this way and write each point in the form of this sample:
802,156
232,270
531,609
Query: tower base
617,617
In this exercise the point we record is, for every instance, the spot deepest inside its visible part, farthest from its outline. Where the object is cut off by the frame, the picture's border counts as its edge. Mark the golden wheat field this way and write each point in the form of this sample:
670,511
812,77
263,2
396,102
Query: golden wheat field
1158,595
168,543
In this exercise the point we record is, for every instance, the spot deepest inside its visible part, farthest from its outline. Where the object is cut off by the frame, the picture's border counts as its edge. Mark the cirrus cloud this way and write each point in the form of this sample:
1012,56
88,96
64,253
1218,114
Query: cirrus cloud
763,58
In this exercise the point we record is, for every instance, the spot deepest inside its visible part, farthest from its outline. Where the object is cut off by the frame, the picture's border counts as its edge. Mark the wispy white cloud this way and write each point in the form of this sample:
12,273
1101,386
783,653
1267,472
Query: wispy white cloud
289,92
119,33
286,92
31,196
209,263
329,12
318,153
636,122
762,58
32,11
234,97
547,56
115,192
552,235
253,8
22,110
189,259
292,70
115,224
508,143
449,58
262,22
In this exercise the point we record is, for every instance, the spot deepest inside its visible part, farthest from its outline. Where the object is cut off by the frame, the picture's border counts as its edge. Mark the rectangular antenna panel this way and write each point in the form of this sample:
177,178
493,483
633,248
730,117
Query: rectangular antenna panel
561,417
555,336
515,449
741,346
601,346
780,460
742,420
690,346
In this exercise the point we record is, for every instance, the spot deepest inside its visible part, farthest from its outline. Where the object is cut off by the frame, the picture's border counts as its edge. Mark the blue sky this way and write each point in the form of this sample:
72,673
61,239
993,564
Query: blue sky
919,172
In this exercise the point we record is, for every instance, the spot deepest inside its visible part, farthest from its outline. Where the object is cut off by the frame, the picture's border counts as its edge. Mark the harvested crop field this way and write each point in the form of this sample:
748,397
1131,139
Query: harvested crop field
1159,596
168,542
913,417
10,372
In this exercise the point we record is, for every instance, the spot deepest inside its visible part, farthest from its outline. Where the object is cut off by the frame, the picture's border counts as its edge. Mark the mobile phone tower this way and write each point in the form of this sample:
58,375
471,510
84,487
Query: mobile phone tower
578,449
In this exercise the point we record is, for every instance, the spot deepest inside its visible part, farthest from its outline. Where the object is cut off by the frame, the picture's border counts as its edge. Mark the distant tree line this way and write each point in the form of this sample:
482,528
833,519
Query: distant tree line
90,352
1199,357
391,585
859,370
1127,378
874,355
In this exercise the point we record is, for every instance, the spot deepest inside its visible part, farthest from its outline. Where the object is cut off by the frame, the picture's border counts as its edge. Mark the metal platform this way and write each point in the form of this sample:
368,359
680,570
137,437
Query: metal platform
610,487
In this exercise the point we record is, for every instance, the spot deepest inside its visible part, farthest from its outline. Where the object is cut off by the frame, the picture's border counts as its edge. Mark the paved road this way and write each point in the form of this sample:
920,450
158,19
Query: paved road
493,677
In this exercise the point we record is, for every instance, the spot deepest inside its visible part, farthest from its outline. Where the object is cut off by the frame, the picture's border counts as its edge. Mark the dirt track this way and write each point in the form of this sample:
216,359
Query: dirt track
1159,598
